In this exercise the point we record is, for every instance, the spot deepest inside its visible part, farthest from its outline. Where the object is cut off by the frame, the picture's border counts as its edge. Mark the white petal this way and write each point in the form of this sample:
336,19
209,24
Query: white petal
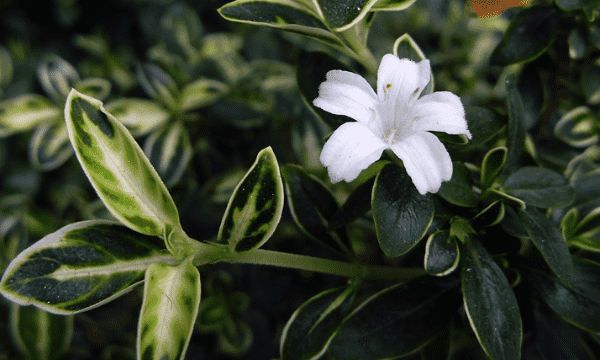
401,79
426,161
440,111
346,93
350,150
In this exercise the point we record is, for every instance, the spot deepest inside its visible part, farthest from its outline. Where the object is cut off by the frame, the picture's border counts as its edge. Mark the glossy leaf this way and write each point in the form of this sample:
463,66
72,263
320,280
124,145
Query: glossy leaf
169,151
202,92
342,15
255,206
314,323
140,116
579,301
459,189
169,310
25,112
577,128
40,335
516,124
483,124
57,76
49,146
401,214
356,205
490,303
492,165
441,254
540,187
392,5
397,321
81,266
549,241
119,171
489,216
530,33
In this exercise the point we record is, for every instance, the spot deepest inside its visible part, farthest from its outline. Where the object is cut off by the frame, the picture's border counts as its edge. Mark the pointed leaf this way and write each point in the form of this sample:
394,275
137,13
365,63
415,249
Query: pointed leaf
540,187
441,254
170,151
490,303
81,266
57,76
342,15
483,124
169,310
159,85
459,189
314,323
255,206
25,112
140,116
202,92
516,124
492,166
40,335
49,146
577,128
118,169
530,33
401,214
397,321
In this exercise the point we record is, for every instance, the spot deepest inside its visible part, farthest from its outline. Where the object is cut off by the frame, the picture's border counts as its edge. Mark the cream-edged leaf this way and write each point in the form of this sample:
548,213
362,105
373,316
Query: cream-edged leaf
24,112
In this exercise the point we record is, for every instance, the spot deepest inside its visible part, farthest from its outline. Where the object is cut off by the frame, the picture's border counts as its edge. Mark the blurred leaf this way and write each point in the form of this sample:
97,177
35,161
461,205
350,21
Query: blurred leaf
169,151
549,241
314,323
6,68
529,34
97,88
25,112
235,339
202,92
356,205
401,214
13,239
140,116
531,88
539,187
590,84
169,310
49,146
40,335
57,76
459,189
577,128
255,207
81,266
586,234
397,321
516,124
577,44
181,28
589,7
441,254
490,303
392,5
159,85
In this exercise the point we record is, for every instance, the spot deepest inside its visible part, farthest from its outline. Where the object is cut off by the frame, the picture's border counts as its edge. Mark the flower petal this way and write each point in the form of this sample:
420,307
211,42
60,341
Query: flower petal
440,111
401,80
346,93
426,160
350,150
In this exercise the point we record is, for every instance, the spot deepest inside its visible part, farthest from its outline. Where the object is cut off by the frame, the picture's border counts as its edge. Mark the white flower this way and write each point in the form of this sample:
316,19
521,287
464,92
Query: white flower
395,118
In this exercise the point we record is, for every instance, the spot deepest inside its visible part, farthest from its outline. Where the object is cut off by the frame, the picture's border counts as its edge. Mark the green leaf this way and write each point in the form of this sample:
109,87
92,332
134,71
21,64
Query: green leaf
441,254
589,7
97,88
57,76
169,310
490,303
401,214
314,323
579,301
310,73
159,85
169,151
577,128
531,88
81,266
540,187
529,34
40,335
459,189
6,68
590,83
483,124
202,92
492,165
397,321
549,241
516,124
255,206
287,15
49,146
489,216
236,338
577,44
119,171
25,112
392,5
342,15
586,234
406,47
140,116
356,205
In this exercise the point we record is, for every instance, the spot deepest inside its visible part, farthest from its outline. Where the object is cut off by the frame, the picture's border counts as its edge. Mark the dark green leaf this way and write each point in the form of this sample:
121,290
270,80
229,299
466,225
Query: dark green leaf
590,84
356,205
489,216
516,124
169,151
255,207
490,303
159,85
459,189
540,187
401,214
549,241
341,15
590,7
483,124
57,76
314,323
81,266
397,321
529,34
441,254
531,89
492,166
392,5
577,128
310,73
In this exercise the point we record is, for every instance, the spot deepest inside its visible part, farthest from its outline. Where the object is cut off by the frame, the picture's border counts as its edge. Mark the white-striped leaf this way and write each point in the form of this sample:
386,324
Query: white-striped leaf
255,207
49,146
392,5
202,92
159,85
97,88
81,266
57,76
169,151
40,335
119,171
169,310
24,112
140,116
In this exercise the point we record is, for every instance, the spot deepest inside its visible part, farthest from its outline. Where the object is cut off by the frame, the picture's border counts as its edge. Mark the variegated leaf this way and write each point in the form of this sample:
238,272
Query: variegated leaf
40,335
57,76
169,310
24,112
202,92
255,207
159,85
119,171
81,266
49,146
140,116
342,15
170,151
97,88
392,5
